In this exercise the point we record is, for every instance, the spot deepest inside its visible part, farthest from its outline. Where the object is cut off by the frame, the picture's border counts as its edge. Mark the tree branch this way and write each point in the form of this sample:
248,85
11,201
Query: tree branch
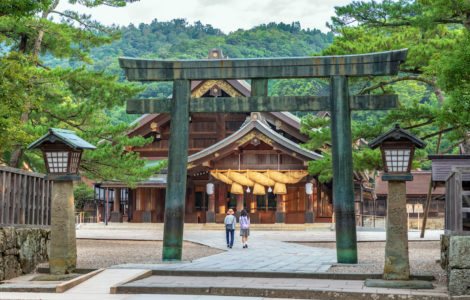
430,121
437,133
63,120
398,79
451,147
78,20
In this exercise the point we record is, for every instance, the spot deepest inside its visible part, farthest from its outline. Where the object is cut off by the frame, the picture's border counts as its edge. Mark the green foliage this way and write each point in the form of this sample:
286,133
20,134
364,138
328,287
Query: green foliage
16,77
177,39
432,85
81,193
35,97
19,8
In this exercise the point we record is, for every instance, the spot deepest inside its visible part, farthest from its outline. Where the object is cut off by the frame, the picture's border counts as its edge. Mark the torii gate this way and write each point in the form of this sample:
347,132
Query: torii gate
339,102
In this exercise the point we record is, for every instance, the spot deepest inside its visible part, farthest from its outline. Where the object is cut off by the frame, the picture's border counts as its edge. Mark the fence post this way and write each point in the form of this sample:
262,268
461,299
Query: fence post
2,197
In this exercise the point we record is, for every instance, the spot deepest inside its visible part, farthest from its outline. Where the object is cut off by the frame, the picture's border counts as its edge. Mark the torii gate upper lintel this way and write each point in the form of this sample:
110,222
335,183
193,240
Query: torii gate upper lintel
339,102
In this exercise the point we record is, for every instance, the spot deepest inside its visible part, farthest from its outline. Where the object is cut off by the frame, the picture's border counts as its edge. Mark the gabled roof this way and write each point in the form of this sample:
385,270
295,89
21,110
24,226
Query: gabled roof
67,137
263,128
396,134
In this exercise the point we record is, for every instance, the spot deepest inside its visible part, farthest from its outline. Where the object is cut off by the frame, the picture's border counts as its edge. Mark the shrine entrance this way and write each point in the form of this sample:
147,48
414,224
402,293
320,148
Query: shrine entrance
339,103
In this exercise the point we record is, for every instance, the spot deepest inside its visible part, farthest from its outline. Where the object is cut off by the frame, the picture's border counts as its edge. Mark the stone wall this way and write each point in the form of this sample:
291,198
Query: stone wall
21,249
455,253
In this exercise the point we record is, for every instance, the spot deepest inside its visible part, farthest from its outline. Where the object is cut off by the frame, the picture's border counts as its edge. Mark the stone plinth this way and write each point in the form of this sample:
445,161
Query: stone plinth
210,217
63,252
146,217
116,217
309,217
399,284
397,265
280,217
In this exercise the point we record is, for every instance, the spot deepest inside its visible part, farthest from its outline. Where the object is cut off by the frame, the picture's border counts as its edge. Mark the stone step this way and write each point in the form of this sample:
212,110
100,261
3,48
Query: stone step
104,281
208,226
272,288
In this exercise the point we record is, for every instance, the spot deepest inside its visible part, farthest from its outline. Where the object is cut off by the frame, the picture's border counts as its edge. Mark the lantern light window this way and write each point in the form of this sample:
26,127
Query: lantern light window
397,160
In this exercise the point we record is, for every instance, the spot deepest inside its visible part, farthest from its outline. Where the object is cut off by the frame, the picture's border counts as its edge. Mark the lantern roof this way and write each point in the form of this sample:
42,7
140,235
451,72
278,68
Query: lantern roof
396,134
68,137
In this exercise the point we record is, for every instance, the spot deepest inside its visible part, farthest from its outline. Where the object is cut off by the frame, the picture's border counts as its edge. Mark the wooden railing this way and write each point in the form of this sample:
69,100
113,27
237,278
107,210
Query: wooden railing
457,203
25,197
81,217
371,221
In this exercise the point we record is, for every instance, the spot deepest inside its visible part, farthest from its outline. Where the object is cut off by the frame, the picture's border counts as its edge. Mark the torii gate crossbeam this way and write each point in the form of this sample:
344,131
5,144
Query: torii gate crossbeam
339,102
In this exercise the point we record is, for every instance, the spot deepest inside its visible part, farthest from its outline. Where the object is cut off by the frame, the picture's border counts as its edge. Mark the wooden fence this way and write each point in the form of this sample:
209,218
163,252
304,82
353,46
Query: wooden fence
457,219
25,197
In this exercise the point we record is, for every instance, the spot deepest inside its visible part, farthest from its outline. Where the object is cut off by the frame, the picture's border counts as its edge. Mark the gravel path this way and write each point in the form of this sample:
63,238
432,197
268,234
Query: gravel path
105,253
423,257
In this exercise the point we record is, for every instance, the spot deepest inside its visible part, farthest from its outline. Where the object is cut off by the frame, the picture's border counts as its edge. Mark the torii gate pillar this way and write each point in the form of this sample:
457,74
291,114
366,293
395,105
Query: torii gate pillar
343,184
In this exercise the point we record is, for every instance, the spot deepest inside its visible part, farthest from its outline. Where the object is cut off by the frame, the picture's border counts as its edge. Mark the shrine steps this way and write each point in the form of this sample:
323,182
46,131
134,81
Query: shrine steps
208,226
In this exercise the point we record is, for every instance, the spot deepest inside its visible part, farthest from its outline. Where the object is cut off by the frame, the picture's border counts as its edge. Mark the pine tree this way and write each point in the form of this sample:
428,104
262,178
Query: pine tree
432,84
38,97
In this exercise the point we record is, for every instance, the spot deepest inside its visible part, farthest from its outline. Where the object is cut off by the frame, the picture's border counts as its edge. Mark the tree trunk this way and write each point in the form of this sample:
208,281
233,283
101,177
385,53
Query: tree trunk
466,144
18,149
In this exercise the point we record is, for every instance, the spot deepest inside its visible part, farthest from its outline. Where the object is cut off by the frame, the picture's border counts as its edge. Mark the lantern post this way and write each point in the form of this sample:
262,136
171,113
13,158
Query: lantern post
397,147
62,152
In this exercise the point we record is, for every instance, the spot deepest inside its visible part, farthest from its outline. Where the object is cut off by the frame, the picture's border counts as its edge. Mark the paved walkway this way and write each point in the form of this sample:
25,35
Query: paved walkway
263,253
101,283
268,251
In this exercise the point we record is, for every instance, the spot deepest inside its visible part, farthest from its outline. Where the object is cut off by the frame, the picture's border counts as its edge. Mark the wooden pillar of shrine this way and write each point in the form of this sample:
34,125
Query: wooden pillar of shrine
210,213
190,200
252,200
280,209
116,215
239,204
221,199
309,213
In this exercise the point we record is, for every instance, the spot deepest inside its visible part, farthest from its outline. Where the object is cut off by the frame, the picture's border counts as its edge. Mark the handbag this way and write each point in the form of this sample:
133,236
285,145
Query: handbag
228,226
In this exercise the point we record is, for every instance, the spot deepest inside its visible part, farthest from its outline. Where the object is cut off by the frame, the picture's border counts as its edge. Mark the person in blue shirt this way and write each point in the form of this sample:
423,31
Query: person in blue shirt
230,225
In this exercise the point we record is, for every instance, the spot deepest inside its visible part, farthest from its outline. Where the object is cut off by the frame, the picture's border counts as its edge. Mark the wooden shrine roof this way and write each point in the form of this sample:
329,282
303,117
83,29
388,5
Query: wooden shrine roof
256,123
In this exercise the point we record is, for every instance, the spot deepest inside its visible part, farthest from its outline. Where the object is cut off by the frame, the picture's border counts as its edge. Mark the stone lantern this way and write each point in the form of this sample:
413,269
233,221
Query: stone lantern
397,147
62,151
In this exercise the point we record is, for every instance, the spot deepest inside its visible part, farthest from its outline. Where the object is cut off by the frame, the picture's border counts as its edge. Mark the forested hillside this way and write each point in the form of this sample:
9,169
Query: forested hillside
177,39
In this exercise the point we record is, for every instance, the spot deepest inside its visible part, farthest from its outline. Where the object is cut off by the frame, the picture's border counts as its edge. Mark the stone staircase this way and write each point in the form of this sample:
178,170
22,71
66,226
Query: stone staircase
208,226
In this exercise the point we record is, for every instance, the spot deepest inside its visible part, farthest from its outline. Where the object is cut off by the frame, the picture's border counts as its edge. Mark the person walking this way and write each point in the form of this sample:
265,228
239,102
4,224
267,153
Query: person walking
244,227
230,224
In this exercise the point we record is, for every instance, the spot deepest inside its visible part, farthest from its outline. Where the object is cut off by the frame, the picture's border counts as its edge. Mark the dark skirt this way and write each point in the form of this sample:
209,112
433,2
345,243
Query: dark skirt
244,232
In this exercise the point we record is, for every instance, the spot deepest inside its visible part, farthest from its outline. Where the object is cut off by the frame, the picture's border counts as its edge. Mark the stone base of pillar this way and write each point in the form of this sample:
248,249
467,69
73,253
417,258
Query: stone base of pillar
309,217
280,217
210,217
146,217
399,284
116,217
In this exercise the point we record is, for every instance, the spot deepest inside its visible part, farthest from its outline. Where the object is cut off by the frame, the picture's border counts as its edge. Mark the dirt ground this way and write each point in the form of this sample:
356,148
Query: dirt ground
105,253
371,255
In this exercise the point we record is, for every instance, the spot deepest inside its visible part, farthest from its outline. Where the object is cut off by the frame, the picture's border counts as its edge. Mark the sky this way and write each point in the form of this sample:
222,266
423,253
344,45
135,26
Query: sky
227,15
